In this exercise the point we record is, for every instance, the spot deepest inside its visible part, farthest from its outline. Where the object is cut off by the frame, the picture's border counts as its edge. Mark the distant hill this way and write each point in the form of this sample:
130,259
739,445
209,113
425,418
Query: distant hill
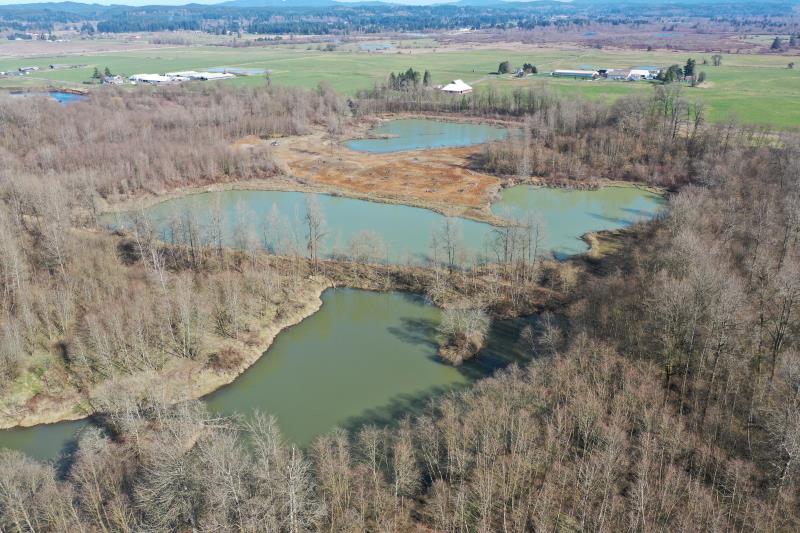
277,3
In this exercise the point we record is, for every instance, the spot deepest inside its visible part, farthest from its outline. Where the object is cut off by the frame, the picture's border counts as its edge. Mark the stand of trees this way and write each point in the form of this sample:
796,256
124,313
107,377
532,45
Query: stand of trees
409,80
125,142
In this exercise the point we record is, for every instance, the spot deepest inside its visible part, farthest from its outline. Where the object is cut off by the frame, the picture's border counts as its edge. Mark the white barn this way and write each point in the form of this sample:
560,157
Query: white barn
640,74
151,78
457,87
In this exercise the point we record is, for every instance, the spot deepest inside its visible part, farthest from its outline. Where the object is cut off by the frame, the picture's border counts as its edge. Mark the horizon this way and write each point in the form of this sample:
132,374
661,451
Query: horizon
178,3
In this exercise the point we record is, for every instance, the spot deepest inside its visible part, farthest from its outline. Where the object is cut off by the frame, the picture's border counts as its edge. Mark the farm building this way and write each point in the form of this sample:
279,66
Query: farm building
204,76
209,76
113,80
583,74
640,74
618,74
175,77
151,78
652,70
457,87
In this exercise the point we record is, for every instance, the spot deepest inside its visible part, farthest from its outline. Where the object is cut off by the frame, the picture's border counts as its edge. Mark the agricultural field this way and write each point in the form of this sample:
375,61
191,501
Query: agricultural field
757,89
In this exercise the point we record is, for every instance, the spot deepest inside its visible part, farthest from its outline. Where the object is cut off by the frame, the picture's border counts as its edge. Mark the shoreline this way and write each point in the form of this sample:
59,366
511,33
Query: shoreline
203,381
197,382
287,181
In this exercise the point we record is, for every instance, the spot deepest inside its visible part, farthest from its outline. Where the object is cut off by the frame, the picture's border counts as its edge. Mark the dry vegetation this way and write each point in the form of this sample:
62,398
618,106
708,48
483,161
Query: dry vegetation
665,398
440,178
129,142
661,139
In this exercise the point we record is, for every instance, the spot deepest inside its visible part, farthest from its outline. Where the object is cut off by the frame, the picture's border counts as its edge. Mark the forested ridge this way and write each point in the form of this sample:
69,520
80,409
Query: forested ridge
663,391
323,17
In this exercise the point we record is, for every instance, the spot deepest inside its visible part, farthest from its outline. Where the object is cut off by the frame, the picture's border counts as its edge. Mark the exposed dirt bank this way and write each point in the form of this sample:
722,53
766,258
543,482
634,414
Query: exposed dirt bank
436,179
190,379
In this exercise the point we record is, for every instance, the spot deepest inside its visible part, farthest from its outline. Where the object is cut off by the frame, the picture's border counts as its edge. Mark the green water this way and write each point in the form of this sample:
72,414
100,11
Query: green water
565,214
43,442
364,357
275,220
399,233
421,134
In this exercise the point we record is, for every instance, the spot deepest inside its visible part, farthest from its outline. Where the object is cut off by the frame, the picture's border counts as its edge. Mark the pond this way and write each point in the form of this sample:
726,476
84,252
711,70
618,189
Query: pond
567,214
61,97
364,357
398,233
45,441
421,134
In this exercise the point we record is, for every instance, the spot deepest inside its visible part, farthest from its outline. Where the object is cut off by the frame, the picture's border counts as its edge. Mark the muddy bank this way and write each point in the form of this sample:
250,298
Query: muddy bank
192,378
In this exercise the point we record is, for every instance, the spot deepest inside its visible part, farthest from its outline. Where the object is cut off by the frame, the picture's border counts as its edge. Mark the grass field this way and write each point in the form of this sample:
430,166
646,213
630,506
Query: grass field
756,89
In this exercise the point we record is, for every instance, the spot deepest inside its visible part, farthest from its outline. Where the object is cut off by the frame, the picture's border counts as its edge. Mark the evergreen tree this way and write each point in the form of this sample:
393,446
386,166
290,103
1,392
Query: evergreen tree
672,74
426,79
96,74
776,44
688,70
504,68
107,72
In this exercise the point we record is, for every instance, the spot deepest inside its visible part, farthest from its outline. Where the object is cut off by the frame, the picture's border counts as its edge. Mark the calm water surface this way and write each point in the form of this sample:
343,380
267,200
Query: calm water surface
43,442
566,215
420,134
59,96
365,357
275,220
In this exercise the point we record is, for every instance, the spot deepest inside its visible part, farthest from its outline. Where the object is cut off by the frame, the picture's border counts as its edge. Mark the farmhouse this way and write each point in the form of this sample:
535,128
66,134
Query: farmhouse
112,80
583,74
457,87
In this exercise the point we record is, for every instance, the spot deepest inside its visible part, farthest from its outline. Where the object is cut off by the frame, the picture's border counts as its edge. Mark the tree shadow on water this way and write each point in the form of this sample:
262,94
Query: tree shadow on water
398,408
614,220
416,331
504,346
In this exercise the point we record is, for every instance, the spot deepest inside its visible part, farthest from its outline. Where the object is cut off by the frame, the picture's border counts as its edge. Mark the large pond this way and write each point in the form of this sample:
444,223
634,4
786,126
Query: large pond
421,134
365,357
276,220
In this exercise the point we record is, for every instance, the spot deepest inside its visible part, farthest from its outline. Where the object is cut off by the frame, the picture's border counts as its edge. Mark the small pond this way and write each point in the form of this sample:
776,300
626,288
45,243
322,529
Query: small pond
364,357
421,134
61,97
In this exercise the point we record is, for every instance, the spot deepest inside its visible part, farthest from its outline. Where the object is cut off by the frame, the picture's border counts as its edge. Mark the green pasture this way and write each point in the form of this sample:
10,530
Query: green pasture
757,89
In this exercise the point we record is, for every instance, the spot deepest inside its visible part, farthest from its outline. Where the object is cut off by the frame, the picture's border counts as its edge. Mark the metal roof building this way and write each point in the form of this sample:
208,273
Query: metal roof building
457,87
588,74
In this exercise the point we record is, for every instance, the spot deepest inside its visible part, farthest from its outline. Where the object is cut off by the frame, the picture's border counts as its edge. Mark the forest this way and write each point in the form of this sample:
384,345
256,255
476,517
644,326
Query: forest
323,17
662,391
